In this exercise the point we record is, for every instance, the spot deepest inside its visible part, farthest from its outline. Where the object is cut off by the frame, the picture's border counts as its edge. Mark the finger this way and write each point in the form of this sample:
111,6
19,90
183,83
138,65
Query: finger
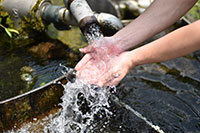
112,80
101,84
89,65
89,69
83,62
105,79
88,49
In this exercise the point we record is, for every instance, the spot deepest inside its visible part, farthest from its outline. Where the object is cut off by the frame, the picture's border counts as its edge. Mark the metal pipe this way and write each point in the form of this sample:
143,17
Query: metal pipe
109,20
66,17
85,18
18,8
109,23
54,14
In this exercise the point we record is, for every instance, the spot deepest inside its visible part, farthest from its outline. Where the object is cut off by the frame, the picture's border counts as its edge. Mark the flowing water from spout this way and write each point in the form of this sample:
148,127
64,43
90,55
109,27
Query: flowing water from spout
93,33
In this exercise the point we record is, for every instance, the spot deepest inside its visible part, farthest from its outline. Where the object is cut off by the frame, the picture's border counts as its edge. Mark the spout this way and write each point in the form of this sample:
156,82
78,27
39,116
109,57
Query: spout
85,19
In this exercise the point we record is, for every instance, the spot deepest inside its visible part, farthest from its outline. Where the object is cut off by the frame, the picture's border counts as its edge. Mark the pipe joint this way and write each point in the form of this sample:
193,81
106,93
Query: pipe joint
53,14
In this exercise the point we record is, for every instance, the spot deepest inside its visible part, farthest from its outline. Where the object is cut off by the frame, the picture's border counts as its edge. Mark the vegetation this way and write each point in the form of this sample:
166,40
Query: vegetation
194,13
8,30
31,30
6,23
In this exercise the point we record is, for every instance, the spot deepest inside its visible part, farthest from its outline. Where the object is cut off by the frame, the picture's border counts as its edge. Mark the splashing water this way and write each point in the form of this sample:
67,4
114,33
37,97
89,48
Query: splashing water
82,106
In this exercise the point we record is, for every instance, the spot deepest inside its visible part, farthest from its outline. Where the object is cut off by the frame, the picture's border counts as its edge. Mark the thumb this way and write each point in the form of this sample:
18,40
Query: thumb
88,49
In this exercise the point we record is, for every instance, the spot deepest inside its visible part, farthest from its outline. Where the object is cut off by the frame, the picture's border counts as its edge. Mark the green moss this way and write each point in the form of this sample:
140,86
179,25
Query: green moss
36,21
6,22
33,23
31,30
5,18
57,2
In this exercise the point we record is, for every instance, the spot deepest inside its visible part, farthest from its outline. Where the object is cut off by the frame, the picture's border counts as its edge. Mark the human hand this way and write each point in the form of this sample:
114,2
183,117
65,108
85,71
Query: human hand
109,73
102,49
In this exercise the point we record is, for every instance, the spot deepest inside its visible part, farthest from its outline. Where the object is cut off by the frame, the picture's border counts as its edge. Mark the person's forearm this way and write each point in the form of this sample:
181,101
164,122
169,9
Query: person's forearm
160,15
178,43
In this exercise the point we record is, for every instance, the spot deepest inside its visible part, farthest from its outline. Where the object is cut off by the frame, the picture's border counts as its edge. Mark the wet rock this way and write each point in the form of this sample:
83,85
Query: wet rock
27,69
144,3
27,77
49,50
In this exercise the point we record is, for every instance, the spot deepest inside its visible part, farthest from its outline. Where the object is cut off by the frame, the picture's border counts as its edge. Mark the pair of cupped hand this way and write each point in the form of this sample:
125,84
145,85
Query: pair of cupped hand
103,63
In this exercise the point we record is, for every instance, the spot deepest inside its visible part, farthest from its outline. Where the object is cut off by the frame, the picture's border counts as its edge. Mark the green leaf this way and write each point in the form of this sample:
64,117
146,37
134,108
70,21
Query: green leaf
13,30
8,32
2,26
43,83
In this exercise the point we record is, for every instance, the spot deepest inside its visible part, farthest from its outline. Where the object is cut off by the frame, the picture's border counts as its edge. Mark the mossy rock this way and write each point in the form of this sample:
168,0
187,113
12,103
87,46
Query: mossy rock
34,104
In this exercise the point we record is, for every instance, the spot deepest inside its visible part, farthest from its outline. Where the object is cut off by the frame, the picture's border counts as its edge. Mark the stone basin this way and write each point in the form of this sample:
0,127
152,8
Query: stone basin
33,104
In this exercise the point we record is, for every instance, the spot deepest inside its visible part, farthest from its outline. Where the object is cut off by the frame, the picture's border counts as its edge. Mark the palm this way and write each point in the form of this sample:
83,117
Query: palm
103,49
107,71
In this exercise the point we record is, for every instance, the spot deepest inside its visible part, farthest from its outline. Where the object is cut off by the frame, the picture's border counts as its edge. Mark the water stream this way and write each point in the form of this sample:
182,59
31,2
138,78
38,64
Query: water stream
93,33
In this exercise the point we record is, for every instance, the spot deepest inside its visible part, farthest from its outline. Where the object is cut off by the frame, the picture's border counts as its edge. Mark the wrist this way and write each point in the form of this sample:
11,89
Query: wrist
111,44
118,43
135,60
125,41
